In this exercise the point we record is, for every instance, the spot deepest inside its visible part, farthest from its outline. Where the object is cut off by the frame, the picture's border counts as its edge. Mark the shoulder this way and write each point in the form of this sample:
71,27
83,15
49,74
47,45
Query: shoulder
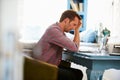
54,28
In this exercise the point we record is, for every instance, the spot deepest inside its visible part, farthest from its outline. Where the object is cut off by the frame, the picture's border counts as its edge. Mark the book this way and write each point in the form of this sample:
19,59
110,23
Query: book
75,6
81,7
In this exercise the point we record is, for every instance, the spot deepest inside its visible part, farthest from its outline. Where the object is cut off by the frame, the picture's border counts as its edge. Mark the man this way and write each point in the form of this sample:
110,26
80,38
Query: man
49,48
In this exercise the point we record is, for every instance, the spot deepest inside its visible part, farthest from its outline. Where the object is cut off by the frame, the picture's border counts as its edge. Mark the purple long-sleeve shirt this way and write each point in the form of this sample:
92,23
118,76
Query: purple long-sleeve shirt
49,48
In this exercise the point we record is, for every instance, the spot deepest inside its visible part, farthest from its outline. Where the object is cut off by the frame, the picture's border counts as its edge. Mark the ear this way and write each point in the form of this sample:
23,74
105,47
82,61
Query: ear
66,20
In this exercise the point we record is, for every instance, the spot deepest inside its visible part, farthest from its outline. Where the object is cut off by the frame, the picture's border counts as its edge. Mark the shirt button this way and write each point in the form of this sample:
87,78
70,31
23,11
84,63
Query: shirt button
59,60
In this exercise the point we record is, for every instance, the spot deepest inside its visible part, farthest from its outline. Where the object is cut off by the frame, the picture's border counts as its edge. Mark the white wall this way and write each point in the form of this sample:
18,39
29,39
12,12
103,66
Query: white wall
116,18
43,13
38,15
99,11
106,12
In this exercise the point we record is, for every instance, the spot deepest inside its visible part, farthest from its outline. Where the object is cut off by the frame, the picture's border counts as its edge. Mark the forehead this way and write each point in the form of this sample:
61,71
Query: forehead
76,20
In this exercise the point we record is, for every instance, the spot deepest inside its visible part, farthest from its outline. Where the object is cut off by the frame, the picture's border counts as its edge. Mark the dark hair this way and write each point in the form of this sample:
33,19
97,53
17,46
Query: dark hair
69,14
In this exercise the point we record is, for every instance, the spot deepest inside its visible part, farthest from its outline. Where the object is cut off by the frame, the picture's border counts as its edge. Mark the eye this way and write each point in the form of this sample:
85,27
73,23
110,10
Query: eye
74,24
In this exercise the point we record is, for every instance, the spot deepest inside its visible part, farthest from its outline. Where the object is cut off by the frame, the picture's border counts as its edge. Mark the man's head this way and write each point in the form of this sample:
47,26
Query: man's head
70,20
69,14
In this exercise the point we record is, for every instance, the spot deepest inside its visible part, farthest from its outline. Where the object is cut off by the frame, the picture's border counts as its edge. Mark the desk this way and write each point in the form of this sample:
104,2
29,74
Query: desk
96,64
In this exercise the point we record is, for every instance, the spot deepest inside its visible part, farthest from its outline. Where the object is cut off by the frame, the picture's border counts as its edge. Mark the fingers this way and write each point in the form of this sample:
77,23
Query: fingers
78,26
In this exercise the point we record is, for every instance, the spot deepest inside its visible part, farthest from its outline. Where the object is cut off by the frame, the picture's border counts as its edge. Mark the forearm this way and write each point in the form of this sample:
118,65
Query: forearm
76,33
76,37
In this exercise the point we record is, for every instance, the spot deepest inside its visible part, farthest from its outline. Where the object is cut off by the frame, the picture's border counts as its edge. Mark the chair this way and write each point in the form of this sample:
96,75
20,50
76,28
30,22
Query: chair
38,70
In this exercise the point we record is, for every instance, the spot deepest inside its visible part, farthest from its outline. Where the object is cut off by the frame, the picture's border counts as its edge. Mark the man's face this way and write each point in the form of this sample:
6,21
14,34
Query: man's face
71,25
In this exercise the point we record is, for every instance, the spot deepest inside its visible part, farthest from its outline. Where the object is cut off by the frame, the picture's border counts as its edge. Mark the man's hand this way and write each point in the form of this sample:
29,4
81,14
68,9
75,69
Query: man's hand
79,25
76,33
